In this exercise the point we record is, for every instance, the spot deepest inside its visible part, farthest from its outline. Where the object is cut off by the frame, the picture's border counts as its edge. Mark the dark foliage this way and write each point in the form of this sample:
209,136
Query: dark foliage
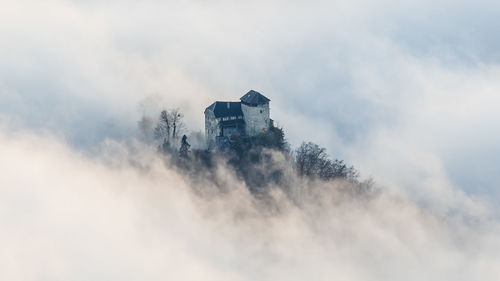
184,150
251,158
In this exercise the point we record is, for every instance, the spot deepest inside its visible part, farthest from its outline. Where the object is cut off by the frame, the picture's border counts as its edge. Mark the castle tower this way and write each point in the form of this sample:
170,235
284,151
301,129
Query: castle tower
255,109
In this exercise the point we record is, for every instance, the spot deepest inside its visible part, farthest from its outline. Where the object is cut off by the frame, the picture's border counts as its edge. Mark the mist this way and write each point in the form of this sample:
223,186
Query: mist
124,215
407,92
412,75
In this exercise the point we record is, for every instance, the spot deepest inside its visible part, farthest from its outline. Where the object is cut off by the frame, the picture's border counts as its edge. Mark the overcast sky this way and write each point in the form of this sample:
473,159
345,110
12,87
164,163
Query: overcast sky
401,89
406,91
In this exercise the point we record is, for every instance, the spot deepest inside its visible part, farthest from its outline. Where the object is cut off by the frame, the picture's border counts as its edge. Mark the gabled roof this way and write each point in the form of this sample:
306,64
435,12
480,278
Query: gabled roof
254,98
225,109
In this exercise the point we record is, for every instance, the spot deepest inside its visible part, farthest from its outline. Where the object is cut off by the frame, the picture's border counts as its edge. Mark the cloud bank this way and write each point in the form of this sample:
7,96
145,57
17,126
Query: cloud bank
365,79
66,215
406,91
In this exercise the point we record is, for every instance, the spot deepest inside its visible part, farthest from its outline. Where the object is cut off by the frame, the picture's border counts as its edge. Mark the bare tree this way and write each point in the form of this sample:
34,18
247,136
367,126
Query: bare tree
170,125
176,122
312,160
162,129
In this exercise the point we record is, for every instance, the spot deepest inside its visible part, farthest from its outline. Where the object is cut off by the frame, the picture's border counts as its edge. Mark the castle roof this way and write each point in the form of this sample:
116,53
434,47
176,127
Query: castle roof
225,109
254,98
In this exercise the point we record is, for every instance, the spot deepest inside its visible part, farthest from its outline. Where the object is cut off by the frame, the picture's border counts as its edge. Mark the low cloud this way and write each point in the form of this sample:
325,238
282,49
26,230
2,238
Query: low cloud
66,215
340,74
406,91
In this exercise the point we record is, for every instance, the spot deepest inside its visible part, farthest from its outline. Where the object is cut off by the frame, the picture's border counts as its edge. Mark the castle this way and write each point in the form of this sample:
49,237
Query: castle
227,120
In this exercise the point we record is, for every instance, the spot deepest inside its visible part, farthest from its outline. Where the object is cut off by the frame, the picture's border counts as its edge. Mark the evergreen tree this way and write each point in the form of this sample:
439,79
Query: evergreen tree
184,150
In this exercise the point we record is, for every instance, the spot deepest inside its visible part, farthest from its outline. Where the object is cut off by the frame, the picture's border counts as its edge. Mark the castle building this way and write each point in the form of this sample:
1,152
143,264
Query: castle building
225,120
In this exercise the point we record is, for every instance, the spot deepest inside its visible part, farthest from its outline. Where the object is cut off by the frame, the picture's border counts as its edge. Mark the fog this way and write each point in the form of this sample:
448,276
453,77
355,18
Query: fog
66,215
406,92
357,77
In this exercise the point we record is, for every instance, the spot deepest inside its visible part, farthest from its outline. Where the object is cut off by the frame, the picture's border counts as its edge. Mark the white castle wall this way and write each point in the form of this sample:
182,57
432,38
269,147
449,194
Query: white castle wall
256,118
211,128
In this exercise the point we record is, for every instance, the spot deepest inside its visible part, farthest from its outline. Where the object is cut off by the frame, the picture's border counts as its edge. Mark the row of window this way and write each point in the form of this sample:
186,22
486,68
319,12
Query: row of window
227,118
230,118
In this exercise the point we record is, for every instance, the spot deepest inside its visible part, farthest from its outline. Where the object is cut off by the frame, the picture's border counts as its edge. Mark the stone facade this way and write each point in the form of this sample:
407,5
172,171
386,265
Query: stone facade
212,128
226,120
256,118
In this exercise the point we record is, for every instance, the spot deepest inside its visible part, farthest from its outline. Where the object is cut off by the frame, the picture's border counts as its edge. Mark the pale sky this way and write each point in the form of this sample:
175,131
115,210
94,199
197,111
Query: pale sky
365,79
406,91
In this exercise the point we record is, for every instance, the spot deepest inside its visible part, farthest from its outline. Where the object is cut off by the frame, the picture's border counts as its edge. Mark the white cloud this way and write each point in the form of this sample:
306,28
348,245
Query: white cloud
404,91
67,216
